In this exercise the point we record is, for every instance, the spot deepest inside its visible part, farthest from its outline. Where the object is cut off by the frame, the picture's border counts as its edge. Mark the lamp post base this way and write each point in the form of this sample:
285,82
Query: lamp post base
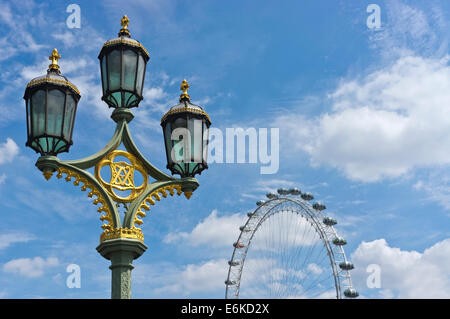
121,252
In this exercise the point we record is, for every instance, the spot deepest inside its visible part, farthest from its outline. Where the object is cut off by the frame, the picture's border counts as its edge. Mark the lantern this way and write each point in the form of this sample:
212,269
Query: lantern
51,104
122,63
185,128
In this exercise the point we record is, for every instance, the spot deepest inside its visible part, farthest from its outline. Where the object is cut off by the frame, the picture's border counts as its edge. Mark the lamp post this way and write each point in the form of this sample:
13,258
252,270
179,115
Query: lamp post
51,102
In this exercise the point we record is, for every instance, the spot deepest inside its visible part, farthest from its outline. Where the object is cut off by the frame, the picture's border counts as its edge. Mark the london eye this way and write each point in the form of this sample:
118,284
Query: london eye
288,248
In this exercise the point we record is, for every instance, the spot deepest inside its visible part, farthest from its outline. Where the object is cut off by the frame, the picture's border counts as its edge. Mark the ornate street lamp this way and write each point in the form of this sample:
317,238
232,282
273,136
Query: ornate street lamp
51,105
185,127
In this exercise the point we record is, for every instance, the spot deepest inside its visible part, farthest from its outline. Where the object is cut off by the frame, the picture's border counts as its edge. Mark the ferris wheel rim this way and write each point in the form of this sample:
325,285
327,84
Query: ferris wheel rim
316,216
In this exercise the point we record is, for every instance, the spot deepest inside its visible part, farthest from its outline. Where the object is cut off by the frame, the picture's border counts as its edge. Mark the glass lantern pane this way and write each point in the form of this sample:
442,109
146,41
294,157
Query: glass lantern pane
114,70
179,122
59,146
205,142
140,75
195,130
132,101
104,78
117,98
28,117
55,110
129,69
168,141
179,144
191,168
38,112
43,143
126,98
68,116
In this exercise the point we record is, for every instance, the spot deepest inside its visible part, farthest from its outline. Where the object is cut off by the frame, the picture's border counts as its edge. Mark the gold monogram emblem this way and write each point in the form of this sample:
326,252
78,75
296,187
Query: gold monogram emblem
122,176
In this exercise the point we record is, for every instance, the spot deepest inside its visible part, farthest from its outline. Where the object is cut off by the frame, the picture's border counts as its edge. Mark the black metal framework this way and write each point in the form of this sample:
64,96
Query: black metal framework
49,132
120,92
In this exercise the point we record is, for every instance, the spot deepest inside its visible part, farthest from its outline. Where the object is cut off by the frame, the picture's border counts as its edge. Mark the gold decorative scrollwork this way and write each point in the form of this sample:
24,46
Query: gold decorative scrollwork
94,192
133,233
122,176
150,200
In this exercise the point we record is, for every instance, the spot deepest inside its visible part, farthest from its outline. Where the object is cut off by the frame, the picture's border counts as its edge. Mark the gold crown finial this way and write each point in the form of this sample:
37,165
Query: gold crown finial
184,87
124,22
54,57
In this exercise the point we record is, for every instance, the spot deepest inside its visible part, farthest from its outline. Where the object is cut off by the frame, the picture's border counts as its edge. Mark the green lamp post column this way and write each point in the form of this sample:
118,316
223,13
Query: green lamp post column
51,103
121,252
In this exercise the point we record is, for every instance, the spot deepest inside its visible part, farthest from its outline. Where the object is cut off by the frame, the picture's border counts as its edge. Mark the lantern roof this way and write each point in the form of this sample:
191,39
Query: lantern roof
53,75
185,105
124,38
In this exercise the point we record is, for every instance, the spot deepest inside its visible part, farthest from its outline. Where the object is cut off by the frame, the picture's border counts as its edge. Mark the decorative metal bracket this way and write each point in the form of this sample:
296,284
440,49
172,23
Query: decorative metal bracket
139,198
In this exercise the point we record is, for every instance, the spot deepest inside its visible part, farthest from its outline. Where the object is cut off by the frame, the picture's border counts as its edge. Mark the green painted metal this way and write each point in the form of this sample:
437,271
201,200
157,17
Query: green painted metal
121,251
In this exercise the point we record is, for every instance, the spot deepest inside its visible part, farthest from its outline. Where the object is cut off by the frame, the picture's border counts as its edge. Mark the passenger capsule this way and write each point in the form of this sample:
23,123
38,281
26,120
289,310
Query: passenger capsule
260,202
234,262
271,196
294,191
339,241
283,191
242,228
329,221
230,282
238,245
319,206
307,196
346,265
351,293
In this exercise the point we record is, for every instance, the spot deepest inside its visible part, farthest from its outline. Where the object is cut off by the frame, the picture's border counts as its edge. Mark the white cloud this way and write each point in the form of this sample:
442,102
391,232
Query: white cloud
167,279
407,28
30,268
404,274
8,239
208,276
383,125
8,151
436,188
222,231
17,39
213,231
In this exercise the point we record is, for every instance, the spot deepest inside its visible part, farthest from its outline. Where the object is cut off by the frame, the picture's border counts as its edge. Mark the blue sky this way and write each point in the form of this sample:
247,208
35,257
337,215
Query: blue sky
363,126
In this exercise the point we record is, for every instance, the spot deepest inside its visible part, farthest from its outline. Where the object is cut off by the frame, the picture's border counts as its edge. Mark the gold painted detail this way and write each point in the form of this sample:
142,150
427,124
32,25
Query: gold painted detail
124,22
122,176
132,233
54,81
150,200
184,87
184,109
94,192
47,174
126,41
54,57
